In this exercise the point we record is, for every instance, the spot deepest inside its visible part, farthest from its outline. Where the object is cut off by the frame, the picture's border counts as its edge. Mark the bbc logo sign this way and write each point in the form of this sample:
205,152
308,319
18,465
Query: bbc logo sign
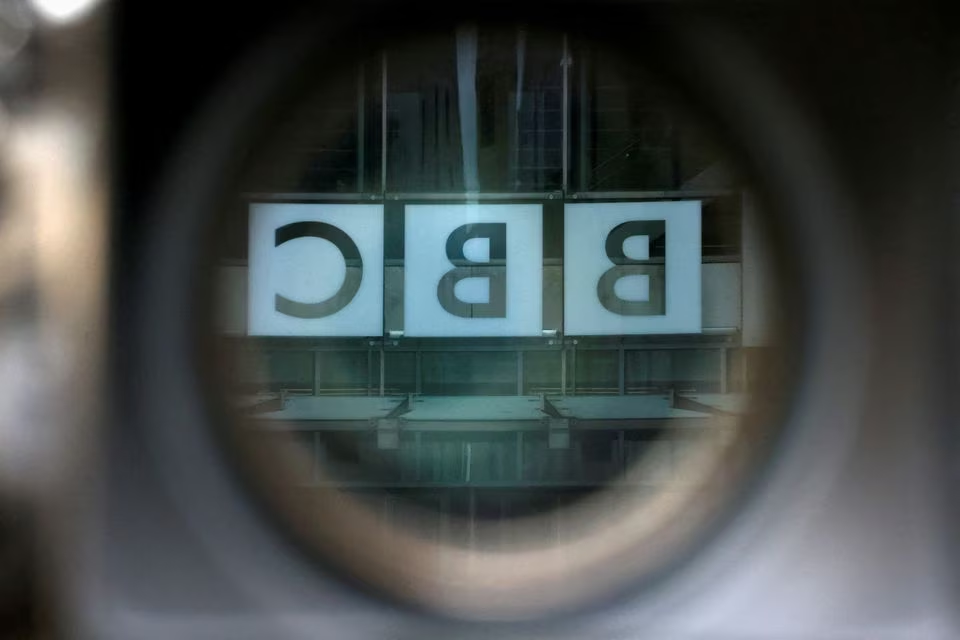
474,269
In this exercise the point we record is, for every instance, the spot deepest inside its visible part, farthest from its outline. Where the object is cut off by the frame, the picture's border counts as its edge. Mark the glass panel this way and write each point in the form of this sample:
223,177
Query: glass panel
470,374
628,135
348,372
291,370
598,456
331,142
423,117
543,465
542,372
628,138
597,372
520,93
697,370
680,370
443,458
400,374
722,226
477,109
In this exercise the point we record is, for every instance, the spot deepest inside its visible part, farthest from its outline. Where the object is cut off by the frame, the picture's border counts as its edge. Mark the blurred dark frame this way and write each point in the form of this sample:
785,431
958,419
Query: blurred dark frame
874,75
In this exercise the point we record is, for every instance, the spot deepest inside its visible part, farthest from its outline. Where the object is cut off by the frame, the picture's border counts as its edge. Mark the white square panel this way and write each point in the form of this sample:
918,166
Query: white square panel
426,233
316,270
587,227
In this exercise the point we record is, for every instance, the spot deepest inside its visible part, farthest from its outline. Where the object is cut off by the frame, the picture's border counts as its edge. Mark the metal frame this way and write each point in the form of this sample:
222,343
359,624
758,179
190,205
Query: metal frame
512,479
565,192
383,123
383,194
164,417
361,126
653,194
565,102
568,348
460,196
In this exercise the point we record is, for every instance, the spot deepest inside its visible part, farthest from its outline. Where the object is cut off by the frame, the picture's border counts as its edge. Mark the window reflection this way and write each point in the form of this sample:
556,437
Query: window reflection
478,109
498,427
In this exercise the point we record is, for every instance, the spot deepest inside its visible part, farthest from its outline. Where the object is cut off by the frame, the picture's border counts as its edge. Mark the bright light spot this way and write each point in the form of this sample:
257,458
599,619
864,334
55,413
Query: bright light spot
63,11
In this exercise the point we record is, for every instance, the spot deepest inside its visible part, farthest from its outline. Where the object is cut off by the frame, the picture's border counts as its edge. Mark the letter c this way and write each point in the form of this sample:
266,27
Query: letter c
351,281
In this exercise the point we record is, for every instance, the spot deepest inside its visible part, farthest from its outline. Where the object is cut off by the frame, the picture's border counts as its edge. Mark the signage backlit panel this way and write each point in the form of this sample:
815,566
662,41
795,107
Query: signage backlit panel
632,268
316,270
473,270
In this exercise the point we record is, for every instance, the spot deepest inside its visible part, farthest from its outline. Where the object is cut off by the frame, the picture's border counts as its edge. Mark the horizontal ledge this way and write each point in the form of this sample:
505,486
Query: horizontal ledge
462,196
549,344
613,484
485,426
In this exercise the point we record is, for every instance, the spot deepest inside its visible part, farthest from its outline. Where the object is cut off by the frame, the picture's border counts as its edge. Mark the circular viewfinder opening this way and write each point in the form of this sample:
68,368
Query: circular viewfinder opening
502,320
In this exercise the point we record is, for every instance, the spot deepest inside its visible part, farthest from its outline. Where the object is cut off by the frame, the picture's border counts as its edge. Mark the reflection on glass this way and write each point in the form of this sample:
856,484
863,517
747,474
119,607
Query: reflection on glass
458,434
477,109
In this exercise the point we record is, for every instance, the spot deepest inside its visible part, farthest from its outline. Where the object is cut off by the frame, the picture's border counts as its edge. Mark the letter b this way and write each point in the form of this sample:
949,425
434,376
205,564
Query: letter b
653,268
494,270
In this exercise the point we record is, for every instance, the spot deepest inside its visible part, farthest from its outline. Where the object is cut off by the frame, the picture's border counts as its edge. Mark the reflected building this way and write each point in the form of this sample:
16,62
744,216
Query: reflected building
499,424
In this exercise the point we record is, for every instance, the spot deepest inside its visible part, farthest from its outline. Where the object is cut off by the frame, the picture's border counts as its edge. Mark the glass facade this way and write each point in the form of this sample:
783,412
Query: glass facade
503,116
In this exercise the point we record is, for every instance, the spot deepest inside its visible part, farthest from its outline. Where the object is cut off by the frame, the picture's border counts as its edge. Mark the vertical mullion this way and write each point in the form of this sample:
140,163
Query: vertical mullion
723,370
621,370
417,443
583,101
566,112
369,370
383,123
383,371
519,372
517,106
563,371
361,126
573,369
519,456
418,374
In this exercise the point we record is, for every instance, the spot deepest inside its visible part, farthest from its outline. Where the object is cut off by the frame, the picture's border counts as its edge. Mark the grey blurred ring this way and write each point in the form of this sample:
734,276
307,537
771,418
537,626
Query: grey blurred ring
827,401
